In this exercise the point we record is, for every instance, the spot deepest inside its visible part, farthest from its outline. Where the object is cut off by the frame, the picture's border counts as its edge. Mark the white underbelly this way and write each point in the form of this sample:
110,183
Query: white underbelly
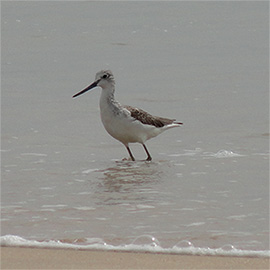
124,129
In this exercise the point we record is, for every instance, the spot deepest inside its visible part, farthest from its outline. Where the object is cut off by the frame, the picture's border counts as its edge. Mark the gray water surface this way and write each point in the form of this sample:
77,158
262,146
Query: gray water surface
203,63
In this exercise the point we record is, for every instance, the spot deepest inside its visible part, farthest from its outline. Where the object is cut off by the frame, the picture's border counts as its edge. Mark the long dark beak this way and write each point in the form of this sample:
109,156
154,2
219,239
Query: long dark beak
94,84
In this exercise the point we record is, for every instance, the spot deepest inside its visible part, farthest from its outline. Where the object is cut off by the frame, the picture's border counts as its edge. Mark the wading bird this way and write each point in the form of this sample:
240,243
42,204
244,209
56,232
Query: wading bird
125,123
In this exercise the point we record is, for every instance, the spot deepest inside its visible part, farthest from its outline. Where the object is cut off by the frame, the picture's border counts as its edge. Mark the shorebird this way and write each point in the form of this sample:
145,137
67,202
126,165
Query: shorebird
125,123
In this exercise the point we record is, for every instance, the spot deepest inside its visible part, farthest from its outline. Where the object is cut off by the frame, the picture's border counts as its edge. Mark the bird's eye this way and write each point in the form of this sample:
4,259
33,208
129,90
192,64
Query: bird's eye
105,76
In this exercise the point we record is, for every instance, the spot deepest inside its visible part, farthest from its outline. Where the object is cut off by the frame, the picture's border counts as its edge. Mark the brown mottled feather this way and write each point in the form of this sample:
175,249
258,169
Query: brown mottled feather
148,119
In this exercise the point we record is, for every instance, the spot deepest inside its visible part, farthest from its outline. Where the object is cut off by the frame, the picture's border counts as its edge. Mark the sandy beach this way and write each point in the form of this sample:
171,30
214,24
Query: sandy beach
37,258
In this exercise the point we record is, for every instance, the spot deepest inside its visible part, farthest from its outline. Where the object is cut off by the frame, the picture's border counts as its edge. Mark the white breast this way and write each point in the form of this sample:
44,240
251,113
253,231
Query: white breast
120,125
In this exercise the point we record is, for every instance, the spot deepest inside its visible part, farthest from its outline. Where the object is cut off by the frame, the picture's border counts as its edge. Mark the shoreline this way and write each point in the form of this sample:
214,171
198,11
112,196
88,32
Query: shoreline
51,258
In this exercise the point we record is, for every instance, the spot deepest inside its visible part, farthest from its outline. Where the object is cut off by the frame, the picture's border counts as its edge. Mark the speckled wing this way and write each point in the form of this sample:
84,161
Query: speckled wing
148,119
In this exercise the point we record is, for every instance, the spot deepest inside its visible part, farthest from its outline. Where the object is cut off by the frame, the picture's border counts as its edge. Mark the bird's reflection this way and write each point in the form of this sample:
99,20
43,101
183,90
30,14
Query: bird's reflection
128,181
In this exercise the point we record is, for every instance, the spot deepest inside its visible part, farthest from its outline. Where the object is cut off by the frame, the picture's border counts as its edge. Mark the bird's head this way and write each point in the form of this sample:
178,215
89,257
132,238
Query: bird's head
104,79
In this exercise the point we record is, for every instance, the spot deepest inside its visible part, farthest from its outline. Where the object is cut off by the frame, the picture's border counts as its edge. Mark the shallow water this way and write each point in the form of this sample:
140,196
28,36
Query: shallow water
205,64
205,205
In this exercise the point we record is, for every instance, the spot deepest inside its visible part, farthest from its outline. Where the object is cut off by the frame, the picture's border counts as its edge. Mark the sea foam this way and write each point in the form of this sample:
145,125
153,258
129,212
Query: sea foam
93,244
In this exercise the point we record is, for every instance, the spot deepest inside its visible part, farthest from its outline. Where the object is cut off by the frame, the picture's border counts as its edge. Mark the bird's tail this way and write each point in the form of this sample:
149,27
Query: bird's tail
172,125
178,123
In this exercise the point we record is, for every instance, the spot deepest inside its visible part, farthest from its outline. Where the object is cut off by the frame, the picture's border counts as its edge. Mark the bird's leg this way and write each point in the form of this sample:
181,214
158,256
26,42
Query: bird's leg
149,158
131,156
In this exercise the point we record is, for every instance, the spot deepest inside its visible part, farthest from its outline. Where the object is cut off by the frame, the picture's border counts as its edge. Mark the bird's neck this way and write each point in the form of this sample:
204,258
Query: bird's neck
107,97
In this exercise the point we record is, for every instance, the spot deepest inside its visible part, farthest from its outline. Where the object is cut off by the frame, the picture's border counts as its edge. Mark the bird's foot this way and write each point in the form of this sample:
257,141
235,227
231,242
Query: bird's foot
128,159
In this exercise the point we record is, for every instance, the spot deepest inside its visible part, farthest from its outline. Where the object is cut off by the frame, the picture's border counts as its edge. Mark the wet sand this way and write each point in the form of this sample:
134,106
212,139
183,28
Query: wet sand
38,258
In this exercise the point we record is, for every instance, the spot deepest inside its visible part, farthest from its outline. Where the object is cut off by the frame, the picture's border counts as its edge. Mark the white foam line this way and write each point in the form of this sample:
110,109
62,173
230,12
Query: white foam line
12,240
